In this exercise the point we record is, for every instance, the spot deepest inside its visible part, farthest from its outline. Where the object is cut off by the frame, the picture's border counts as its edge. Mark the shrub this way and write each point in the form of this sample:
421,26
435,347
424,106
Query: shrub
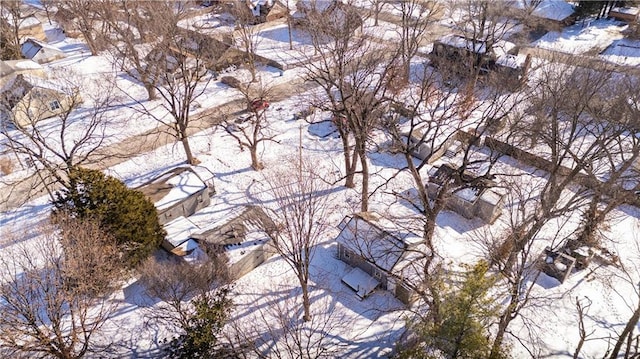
128,215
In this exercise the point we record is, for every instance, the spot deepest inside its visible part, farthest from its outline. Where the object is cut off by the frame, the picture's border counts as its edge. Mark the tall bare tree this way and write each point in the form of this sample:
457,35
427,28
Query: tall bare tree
55,298
274,331
181,78
83,16
614,108
300,219
354,74
561,127
133,30
246,35
176,282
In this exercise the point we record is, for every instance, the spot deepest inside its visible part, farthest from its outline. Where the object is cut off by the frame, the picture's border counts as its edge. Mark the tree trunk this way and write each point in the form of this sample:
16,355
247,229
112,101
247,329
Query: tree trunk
187,150
151,91
505,319
628,329
306,302
289,29
348,165
364,204
255,161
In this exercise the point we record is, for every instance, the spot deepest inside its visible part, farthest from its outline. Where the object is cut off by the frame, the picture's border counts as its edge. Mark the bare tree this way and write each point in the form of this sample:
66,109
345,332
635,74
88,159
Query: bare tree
300,219
176,282
275,331
181,78
251,129
138,34
246,35
82,16
55,298
76,137
582,307
562,128
613,107
354,74
629,277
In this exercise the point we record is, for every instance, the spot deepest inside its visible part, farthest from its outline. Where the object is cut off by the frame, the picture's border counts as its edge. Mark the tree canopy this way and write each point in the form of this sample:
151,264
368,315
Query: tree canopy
129,216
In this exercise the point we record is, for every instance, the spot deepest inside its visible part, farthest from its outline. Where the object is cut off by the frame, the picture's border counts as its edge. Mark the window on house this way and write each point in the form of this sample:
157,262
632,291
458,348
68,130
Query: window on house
346,254
377,274
54,105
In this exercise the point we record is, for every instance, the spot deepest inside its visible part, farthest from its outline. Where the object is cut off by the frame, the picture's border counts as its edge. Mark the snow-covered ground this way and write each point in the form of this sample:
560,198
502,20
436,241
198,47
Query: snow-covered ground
587,38
355,328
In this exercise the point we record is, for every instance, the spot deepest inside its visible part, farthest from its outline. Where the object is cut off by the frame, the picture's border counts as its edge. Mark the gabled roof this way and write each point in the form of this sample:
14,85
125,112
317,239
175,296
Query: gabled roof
31,47
173,186
15,90
557,10
370,237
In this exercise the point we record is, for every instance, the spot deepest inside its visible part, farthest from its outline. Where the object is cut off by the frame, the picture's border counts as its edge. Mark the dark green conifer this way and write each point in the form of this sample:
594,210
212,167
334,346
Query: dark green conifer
126,214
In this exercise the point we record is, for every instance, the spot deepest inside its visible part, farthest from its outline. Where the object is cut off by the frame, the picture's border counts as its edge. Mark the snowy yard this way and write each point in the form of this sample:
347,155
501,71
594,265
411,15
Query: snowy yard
267,300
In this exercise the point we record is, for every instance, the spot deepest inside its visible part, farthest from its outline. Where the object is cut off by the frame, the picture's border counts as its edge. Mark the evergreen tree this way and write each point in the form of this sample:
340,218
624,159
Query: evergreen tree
126,214
465,316
200,338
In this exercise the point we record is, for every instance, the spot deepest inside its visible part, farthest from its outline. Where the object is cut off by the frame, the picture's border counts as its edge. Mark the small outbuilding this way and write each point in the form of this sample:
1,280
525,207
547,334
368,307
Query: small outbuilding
12,68
379,254
245,240
40,52
626,14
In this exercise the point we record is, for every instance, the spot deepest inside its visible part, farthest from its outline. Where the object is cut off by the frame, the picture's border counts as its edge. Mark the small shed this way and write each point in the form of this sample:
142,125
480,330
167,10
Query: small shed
378,252
626,14
40,52
180,192
11,68
277,11
179,242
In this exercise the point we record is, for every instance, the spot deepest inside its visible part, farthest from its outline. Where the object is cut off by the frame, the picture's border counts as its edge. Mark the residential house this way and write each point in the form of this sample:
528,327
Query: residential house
266,10
29,26
244,240
26,100
547,14
11,68
180,192
455,52
338,16
379,253
40,52
473,195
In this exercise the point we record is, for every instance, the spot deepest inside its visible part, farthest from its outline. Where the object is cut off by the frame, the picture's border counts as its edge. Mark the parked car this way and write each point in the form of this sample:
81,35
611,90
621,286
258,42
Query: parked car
258,105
